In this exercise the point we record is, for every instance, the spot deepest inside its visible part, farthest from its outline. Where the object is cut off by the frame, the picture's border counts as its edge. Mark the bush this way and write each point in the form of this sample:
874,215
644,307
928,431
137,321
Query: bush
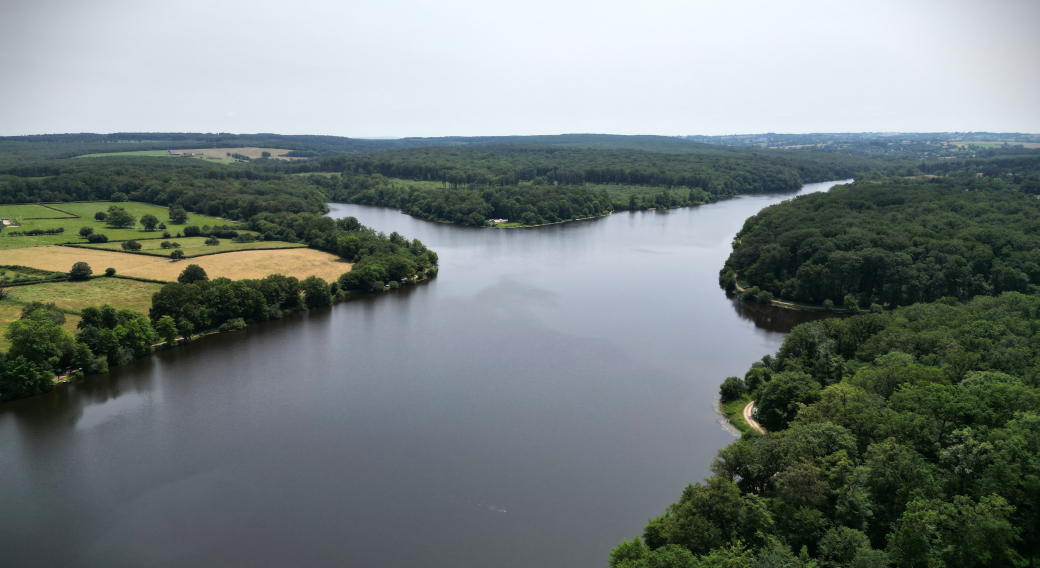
828,305
213,241
100,216
192,231
394,284
177,254
110,272
80,271
166,234
97,238
727,281
131,245
764,297
876,309
232,325
750,293
732,389
165,245
86,231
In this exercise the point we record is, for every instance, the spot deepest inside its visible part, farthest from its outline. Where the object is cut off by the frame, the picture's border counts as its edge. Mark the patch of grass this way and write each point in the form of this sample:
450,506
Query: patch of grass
74,296
298,262
82,215
196,246
734,411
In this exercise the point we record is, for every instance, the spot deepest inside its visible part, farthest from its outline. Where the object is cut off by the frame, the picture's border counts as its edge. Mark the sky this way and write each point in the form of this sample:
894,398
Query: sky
388,68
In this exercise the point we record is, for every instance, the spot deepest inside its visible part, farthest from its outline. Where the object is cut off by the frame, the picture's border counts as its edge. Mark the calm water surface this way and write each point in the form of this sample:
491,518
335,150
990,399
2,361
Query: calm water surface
533,405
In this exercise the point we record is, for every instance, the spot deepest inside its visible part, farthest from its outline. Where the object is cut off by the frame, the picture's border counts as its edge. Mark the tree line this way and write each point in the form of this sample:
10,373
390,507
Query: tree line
907,439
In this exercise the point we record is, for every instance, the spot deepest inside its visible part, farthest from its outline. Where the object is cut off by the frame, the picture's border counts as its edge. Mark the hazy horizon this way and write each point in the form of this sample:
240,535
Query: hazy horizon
418,69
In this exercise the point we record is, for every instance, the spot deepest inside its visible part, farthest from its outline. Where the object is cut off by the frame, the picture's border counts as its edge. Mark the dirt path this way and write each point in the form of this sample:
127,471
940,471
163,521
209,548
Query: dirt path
751,420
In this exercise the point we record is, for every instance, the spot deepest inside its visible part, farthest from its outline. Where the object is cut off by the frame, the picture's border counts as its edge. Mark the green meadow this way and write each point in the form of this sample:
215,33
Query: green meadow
81,214
196,246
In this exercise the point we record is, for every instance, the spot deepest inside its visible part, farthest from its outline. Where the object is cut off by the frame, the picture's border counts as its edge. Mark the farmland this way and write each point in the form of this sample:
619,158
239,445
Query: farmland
72,216
221,155
71,297
196,246
298,262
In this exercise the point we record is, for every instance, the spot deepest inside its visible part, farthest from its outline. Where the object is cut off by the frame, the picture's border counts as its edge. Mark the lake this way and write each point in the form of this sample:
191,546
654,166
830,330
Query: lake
541,398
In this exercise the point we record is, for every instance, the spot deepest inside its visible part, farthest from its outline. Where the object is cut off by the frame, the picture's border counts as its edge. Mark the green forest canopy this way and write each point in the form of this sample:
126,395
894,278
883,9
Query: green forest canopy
910,438
900,243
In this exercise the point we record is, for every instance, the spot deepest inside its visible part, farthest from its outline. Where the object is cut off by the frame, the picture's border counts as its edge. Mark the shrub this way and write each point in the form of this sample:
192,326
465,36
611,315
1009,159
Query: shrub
750,293
177,254
162,227
232,325
876,309
110,272
764,297
165,244
131,245
100,216
212,241
732,388
828,305
166,234
192,231
394,284
86,231
80,271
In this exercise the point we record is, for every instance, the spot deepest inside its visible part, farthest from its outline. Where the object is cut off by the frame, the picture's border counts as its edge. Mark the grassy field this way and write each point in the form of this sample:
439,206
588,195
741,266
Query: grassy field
32,212
299,262
74,296
137,153
22,275
83,216
996,144
734,410
196,246
210,154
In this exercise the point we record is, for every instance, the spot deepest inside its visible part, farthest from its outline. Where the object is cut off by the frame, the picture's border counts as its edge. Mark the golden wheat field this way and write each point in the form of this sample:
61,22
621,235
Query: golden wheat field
299,262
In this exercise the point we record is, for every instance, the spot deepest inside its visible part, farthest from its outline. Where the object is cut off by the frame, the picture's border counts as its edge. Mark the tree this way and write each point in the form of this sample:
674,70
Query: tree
131,245
192,231
120,218
177,254
119,197
80,271
86,231
178,216
212,241
192,273
732,389
851,304
20,377
149,222
265,154
97,238
780,399
100,216
316,292
38,339
110,272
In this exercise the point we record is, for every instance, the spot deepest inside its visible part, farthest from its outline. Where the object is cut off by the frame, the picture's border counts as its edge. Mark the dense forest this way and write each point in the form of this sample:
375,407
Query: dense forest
909,439
900,241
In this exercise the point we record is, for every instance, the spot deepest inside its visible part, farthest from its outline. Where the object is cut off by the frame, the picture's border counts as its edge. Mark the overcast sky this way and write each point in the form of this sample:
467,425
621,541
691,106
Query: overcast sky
399,68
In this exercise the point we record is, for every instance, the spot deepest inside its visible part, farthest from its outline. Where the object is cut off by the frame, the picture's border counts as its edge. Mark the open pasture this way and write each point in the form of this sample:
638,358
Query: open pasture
31,211
196,246
210,154
298,262
81,214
